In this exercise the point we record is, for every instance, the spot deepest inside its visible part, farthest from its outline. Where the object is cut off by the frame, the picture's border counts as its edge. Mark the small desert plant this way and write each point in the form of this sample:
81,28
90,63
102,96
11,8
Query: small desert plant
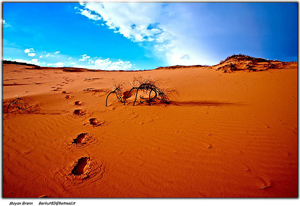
117,89
23,105
144,85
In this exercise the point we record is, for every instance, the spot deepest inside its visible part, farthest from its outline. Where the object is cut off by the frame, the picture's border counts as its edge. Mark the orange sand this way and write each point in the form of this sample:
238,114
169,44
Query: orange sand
223,135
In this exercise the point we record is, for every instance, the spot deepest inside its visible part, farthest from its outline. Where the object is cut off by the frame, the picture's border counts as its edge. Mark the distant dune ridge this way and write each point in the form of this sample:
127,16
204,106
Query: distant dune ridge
242,62
221,135
230,64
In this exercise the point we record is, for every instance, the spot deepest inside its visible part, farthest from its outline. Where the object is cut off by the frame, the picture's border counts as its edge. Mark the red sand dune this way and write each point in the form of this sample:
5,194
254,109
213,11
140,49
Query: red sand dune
229,131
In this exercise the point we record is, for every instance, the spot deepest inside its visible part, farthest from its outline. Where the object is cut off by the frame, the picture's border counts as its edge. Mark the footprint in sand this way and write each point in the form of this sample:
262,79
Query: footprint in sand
79,112
264,184
81,139
68,96
84,171
82,168
94,122
78,103
57,89
77,142
261,183
66,92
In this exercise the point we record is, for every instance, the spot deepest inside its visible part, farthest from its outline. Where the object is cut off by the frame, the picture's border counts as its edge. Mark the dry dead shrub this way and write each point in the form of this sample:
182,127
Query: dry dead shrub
147,87
21,105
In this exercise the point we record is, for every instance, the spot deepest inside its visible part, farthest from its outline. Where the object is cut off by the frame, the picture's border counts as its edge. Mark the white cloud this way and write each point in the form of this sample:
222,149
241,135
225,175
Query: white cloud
106,64
22,60
84,62
27,50
59,64
161,28
51,55
84,57
88,14
34,61
140,23
102,64
31,54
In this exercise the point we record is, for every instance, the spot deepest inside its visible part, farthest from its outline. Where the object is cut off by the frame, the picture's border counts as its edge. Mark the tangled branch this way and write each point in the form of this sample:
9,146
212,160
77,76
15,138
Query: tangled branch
23,105
146,86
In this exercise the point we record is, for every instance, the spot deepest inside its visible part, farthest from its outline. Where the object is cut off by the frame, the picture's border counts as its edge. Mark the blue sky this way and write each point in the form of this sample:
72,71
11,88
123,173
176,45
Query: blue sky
131,36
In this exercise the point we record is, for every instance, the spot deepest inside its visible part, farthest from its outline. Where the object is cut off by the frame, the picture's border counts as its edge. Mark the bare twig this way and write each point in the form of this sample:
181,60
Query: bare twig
146,86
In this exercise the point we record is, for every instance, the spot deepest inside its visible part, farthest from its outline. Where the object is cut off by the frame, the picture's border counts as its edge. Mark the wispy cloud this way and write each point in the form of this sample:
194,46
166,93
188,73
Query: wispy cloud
136,22
30,52
59,64
50,54
160,28
102,64
88,14
106,64
84,57
33,61
52,59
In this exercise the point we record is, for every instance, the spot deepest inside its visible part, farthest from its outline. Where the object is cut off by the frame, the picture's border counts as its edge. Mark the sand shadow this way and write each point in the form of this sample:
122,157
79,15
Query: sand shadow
14,84
202,103
81,167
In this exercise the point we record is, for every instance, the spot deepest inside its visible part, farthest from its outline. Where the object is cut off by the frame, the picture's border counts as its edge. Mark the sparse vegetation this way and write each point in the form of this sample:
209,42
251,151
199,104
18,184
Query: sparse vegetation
148,87
117,90
244,57
243,62
23,105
